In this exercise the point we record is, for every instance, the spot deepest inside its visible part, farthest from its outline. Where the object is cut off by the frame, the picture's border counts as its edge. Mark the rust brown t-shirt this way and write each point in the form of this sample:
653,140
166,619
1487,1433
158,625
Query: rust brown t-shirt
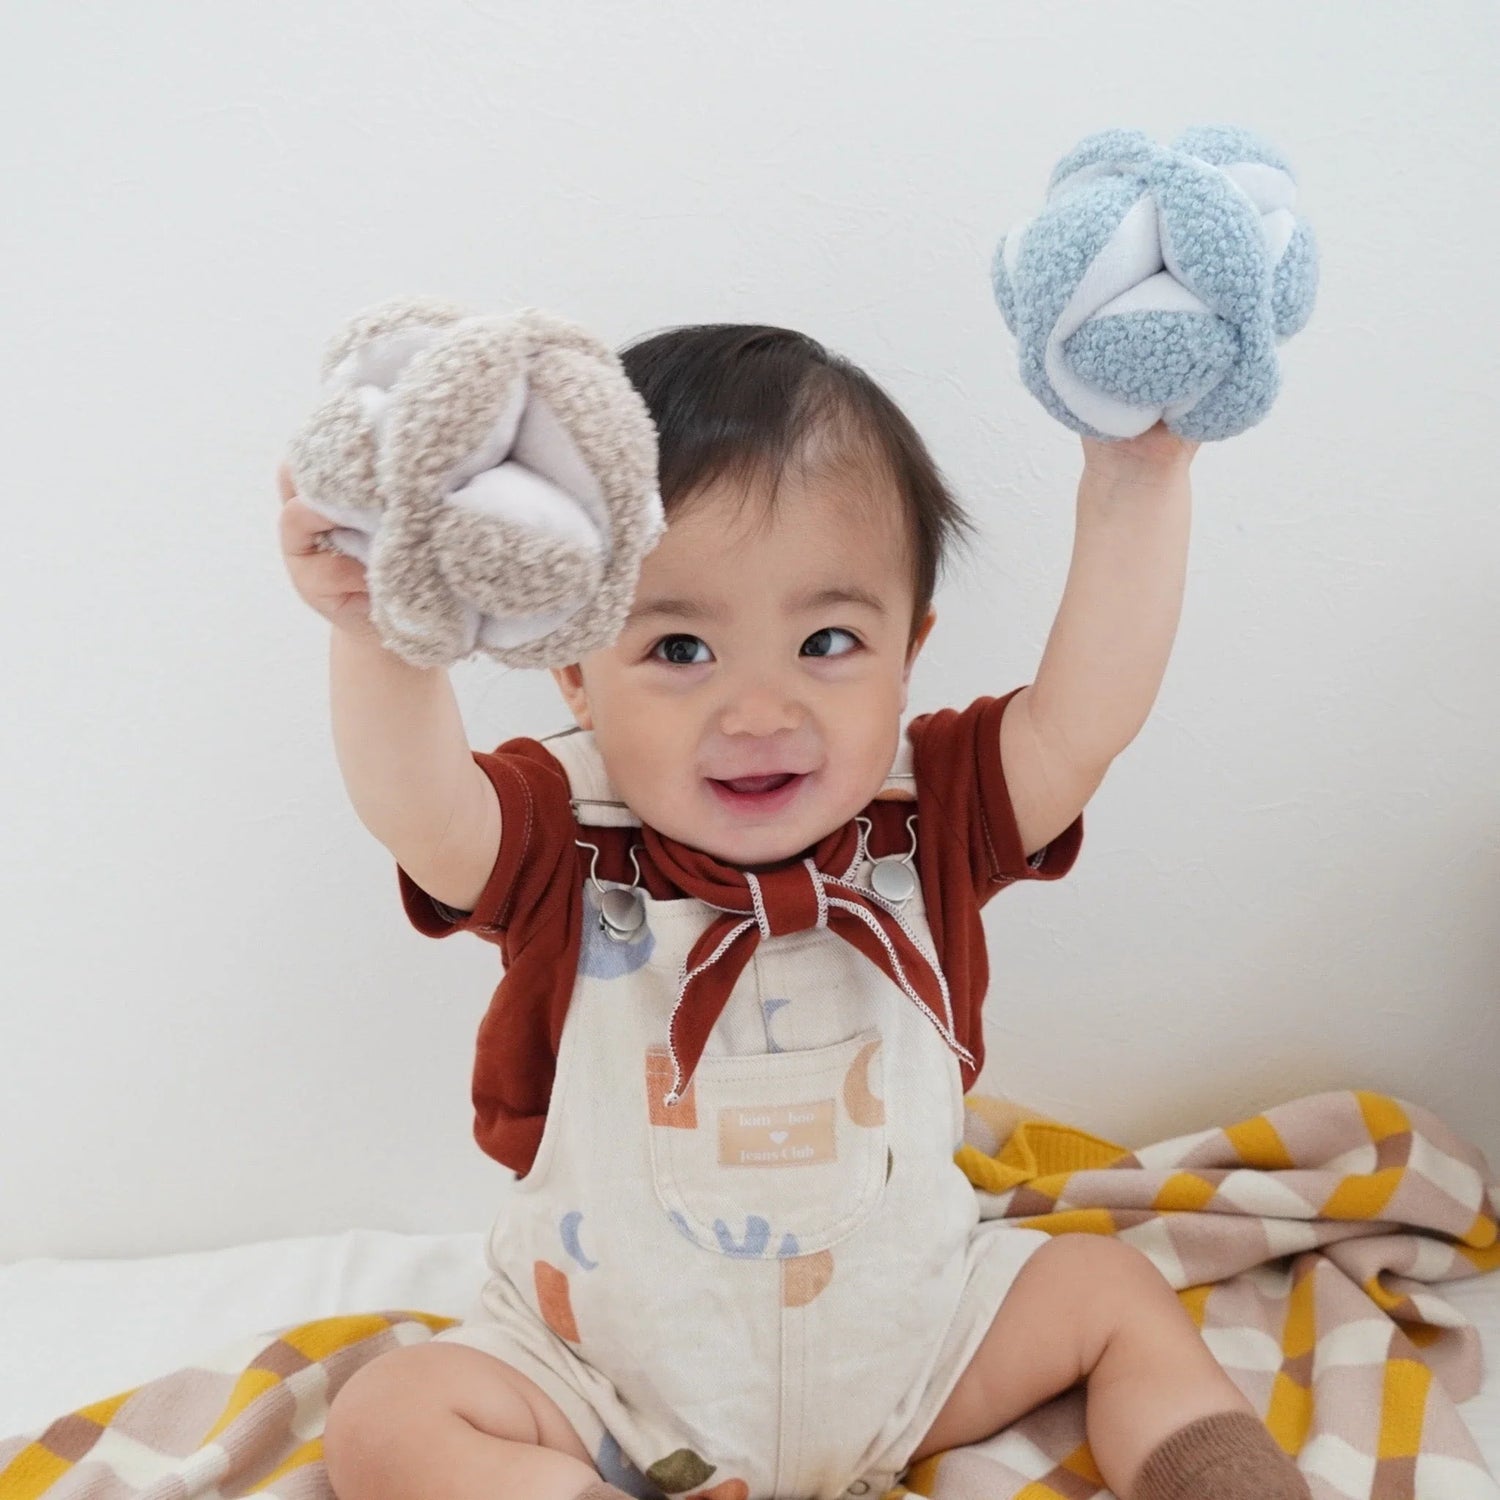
532,904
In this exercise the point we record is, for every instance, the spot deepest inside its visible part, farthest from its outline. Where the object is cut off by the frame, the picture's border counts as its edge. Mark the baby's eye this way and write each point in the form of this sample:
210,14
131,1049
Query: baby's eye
821,636
675,656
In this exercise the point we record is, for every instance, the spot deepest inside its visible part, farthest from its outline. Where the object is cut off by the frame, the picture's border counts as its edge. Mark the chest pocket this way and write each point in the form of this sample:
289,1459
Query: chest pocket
772,1154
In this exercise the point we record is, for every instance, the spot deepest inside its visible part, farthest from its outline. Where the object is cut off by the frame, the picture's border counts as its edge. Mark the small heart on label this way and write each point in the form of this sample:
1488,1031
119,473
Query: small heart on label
778,1136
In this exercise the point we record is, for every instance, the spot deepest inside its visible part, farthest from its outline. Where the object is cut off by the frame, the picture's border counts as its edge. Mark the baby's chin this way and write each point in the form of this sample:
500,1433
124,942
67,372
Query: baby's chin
765,852
767,846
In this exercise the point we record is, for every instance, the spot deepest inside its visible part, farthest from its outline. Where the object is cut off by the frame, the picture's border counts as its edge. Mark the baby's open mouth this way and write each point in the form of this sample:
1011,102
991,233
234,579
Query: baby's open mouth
758,794
758,783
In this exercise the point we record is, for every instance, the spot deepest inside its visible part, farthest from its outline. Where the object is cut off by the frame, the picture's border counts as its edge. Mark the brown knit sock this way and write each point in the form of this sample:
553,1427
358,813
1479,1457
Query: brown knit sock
1227,1455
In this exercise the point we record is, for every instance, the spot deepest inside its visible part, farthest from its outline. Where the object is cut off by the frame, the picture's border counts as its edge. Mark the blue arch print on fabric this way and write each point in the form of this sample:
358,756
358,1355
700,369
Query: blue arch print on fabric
567,1229
768,1008
614,1468
752,1247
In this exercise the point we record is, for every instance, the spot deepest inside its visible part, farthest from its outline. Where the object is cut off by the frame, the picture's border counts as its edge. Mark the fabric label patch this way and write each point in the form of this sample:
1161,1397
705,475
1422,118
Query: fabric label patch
776,1135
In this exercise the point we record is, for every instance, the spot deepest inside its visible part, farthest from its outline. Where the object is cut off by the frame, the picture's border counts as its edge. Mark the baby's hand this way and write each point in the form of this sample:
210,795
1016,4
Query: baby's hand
1158,453
332,583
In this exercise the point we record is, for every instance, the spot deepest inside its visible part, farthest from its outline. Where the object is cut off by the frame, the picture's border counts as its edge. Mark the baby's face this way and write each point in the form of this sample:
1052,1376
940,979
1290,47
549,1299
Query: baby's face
754,682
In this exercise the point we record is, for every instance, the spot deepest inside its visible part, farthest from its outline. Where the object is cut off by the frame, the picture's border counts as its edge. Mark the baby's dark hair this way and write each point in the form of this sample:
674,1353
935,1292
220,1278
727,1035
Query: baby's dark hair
742,400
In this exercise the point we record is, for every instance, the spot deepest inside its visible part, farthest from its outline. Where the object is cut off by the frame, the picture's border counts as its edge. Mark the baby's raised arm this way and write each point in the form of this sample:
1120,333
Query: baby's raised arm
398,733
406,762
1107,651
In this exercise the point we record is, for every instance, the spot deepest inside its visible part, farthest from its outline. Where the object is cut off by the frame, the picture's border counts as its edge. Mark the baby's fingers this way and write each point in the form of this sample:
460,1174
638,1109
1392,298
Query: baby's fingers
333,572
299,524
302,528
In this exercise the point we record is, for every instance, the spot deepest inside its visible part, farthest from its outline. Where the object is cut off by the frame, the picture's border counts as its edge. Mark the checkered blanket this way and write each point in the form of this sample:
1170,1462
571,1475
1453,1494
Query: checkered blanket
1302,1241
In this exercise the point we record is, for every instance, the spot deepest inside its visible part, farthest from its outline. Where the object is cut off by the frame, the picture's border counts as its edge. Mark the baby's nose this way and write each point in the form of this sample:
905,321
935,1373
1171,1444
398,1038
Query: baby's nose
762,711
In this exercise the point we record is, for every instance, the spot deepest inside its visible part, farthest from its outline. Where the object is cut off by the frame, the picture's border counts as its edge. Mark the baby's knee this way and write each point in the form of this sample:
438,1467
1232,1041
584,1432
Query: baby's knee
403,1400
369,1414
1110,1282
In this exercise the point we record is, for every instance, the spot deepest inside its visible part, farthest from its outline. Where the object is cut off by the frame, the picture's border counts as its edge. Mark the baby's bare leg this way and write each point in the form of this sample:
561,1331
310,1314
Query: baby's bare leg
445,1420
1085,1307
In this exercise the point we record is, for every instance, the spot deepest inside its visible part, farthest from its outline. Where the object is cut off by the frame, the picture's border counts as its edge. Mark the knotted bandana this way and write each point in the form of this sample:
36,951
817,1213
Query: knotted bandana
809,893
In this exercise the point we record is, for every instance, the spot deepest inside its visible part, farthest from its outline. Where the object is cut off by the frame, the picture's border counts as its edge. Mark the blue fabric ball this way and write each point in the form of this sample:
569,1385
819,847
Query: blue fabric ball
1157,281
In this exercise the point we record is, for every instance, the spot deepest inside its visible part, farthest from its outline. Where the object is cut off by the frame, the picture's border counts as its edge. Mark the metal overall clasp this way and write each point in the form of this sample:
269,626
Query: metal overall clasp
892,875
622,909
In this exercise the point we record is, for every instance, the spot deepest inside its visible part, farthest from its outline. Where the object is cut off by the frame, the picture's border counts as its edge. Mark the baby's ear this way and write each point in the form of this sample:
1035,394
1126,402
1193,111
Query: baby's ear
569,681
912,651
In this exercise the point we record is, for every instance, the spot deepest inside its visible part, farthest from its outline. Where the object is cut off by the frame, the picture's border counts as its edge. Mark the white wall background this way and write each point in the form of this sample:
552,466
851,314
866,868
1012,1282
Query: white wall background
215,1024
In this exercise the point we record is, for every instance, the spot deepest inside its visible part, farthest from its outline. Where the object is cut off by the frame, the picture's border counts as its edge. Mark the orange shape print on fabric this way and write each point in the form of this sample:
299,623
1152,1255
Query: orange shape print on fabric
864,1108
804,1276
731,1489
683,1114
553,1300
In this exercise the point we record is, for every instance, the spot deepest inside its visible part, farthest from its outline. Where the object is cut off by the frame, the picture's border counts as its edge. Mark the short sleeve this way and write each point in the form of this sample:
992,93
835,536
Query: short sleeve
957,762
536,838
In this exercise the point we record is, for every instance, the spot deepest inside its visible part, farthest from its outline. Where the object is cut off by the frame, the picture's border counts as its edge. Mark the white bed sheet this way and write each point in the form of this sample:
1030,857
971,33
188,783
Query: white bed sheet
74,1331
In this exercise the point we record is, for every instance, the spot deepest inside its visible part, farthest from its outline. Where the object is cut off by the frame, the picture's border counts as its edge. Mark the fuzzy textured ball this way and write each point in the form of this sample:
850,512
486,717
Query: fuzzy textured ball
497,476
1157,282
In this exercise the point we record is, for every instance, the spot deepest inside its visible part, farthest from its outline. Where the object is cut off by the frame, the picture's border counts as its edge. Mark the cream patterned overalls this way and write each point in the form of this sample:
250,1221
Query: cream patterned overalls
768,1291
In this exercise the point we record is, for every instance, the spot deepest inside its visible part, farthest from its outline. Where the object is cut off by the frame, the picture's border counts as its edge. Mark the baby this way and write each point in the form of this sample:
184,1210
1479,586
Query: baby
738,911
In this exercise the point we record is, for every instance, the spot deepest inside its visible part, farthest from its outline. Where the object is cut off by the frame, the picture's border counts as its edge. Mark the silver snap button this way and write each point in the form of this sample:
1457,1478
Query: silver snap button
859,1487
892,876
893,879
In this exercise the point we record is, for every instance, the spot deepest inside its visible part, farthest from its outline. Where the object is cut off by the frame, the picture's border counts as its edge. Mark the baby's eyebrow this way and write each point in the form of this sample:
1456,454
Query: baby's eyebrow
820,597
837,593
